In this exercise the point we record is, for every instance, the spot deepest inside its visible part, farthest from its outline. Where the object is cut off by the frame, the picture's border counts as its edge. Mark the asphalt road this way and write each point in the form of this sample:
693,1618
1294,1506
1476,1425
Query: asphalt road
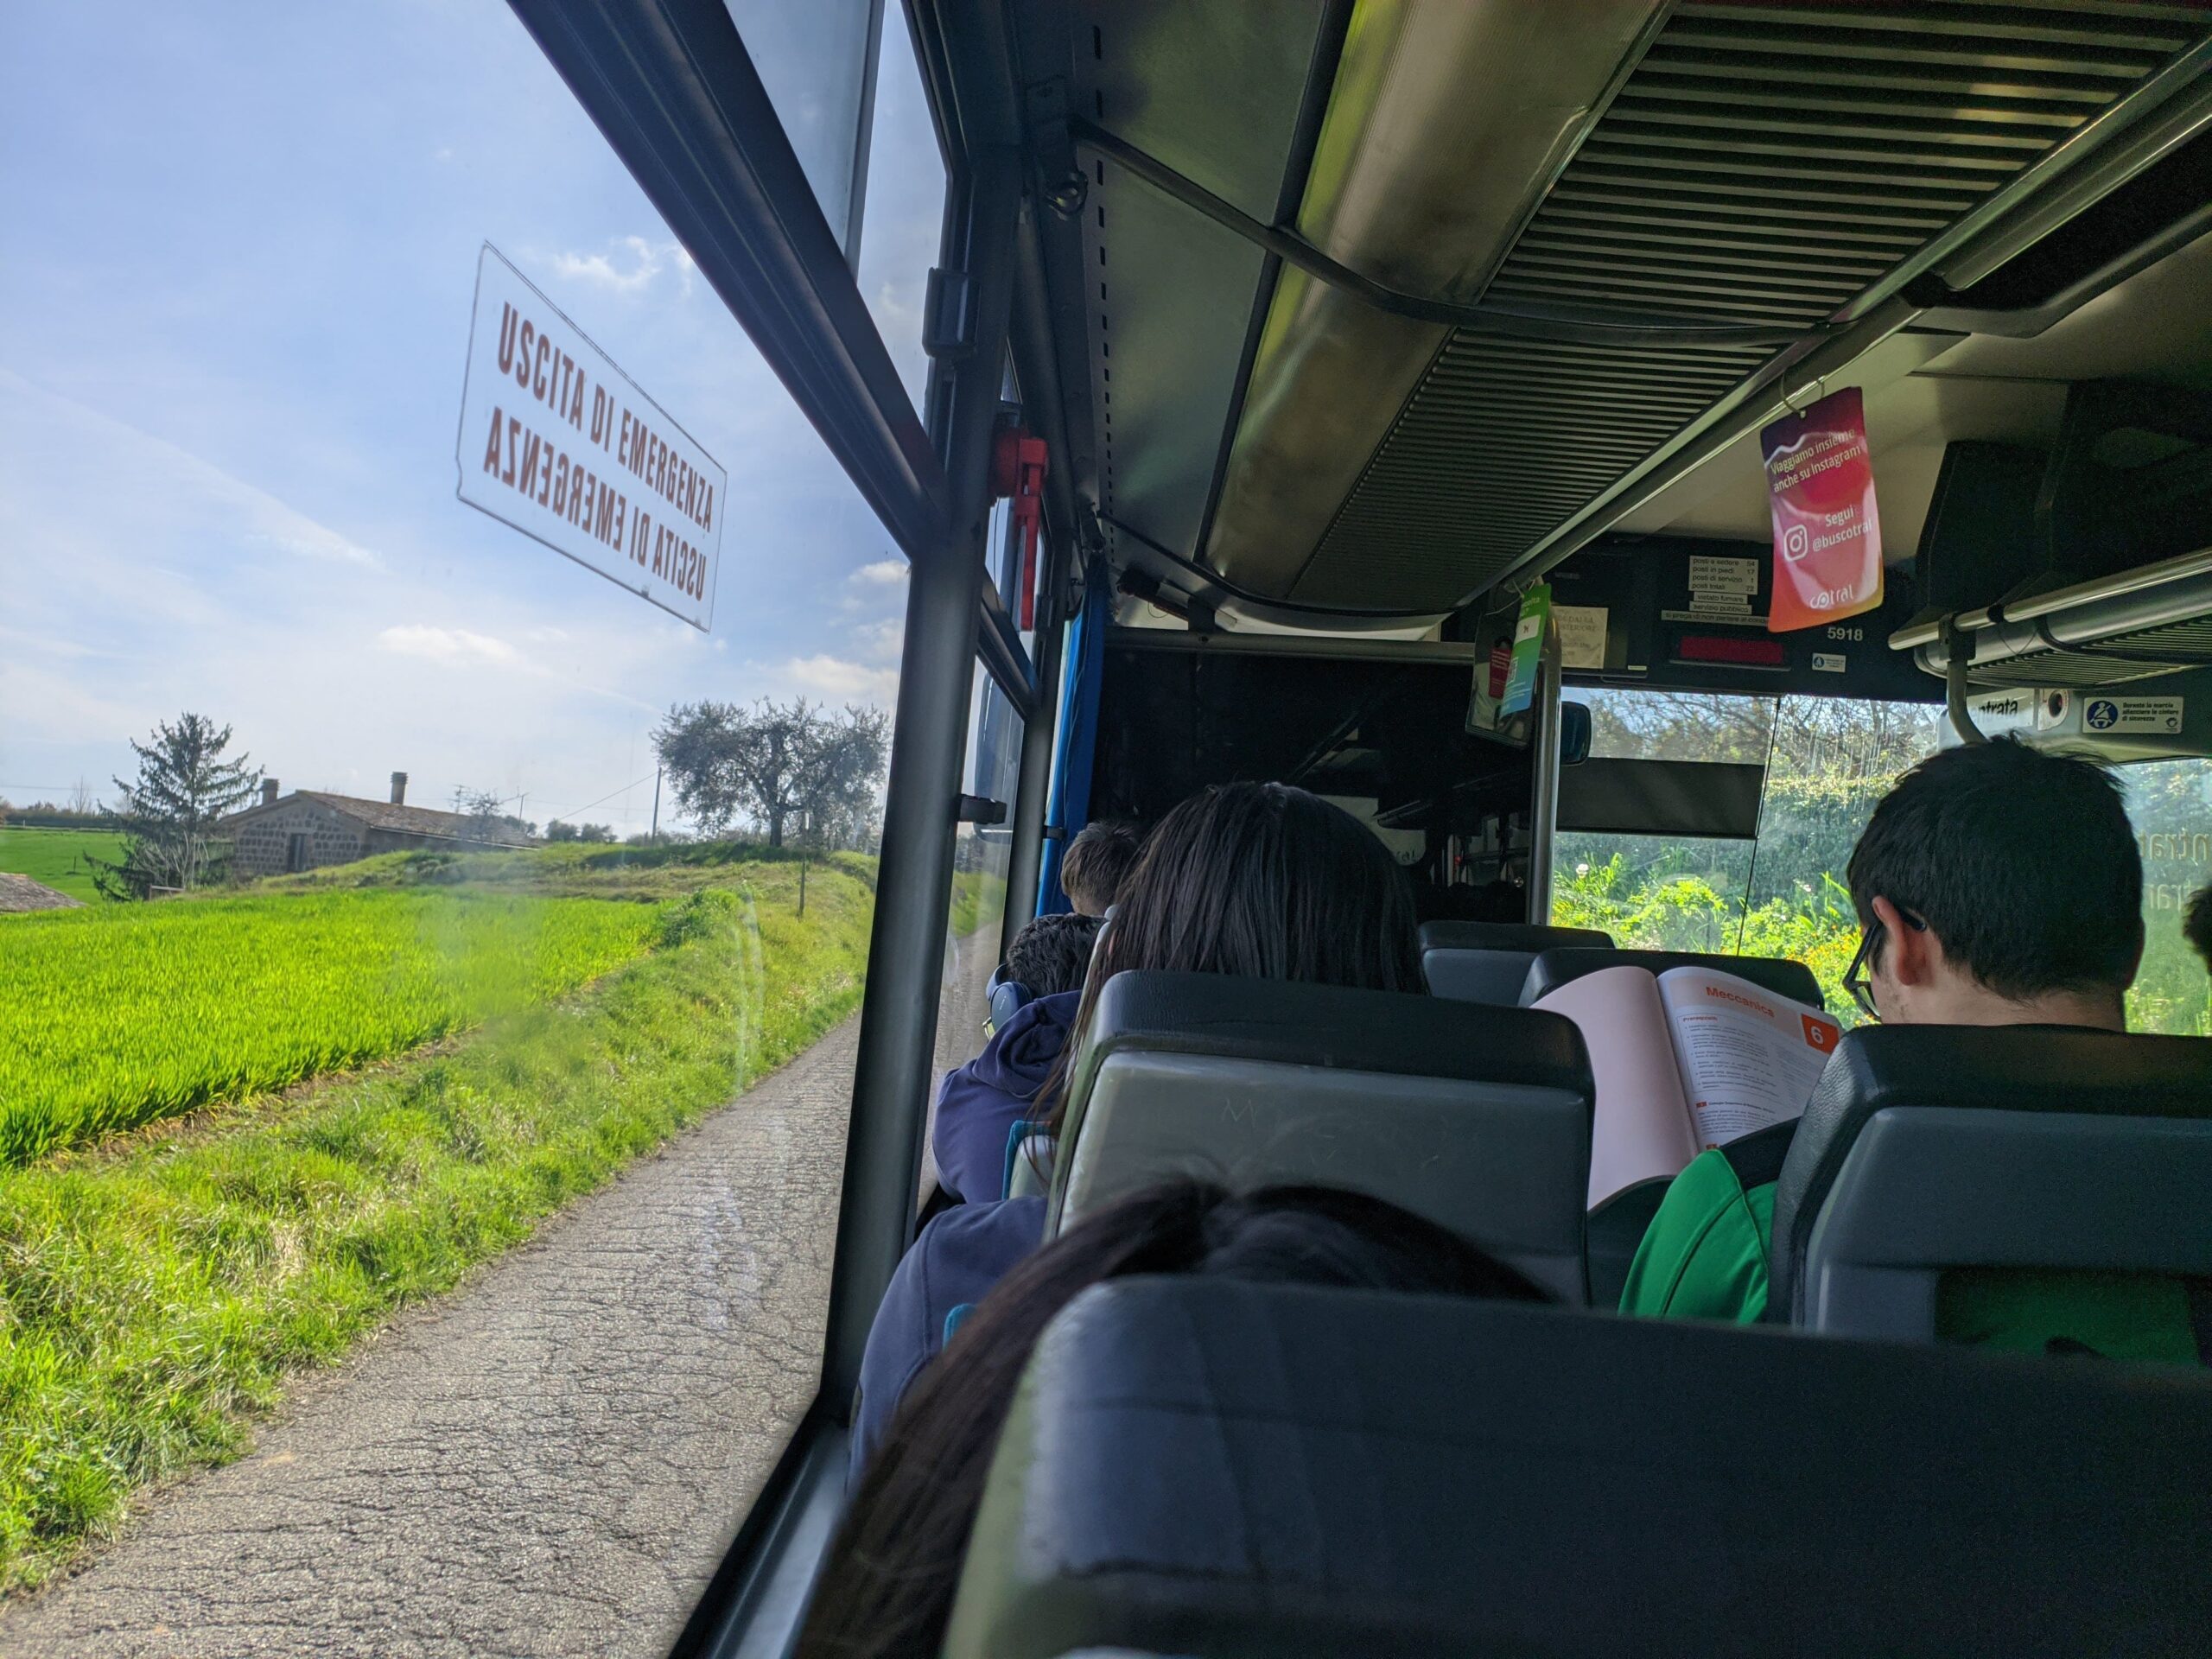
547,1462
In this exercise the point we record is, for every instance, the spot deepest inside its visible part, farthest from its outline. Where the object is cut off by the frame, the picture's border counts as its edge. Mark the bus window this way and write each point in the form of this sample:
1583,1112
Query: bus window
977,907
426,1047
2170,803
1827,761
1653,892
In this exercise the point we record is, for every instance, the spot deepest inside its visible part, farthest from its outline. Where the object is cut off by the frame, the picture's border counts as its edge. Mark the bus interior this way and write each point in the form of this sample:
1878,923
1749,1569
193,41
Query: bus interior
1341,324
1315,339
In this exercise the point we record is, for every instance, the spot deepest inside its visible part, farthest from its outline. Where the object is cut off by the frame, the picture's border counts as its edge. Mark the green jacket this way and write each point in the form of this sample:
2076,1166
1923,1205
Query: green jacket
1705,1257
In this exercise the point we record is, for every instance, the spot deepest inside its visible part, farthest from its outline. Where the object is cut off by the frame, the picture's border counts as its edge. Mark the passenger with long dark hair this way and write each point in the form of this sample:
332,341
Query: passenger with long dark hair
886,1587
1262,881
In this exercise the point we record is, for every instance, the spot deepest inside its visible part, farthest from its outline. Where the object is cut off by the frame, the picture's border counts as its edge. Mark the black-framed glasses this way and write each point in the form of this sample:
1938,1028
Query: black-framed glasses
1854,977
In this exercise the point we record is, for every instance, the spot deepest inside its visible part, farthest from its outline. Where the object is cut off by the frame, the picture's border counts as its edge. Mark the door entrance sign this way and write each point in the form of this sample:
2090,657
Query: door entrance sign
558,441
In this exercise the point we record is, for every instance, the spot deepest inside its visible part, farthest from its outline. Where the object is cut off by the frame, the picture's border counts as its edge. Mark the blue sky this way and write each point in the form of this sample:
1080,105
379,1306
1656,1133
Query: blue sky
234,307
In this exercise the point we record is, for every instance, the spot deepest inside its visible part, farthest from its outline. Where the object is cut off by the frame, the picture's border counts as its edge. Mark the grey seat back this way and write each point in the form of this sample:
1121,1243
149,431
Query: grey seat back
1477,1118
1928,1148
1204,1466
1555,967
1488,962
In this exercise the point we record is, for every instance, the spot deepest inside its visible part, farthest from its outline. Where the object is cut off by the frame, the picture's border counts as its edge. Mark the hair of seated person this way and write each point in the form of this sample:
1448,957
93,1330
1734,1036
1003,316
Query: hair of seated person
1098,862
2196,923
2023,864
1051,954
1262,881
887,1583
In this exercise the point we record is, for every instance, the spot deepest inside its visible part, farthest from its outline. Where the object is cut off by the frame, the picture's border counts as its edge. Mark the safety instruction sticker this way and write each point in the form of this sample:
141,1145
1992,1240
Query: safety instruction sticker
2121,716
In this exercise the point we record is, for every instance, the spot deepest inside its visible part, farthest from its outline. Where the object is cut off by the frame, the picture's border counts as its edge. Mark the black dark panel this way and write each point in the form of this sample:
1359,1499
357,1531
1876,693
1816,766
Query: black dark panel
1662,797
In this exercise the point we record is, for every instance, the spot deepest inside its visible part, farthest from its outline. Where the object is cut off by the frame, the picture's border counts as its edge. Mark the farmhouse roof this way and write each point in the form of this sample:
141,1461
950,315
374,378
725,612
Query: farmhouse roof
20,893
402,820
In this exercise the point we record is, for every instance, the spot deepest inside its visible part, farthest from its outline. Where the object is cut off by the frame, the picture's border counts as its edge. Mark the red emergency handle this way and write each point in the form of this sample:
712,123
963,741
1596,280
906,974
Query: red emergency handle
1018,475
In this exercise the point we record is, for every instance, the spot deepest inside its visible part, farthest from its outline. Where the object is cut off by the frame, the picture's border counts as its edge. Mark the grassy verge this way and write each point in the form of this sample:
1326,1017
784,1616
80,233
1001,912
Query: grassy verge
55,858
154,1292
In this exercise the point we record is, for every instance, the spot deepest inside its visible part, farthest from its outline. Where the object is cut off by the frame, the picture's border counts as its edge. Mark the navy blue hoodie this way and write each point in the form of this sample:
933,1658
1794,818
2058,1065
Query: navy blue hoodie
959,1257
979,1104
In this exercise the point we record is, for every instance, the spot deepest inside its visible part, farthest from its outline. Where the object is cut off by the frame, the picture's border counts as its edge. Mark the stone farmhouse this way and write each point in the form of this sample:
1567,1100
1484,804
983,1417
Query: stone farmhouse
311,826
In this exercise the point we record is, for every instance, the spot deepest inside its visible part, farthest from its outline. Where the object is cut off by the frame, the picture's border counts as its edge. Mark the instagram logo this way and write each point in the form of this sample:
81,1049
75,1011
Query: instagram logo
1796,542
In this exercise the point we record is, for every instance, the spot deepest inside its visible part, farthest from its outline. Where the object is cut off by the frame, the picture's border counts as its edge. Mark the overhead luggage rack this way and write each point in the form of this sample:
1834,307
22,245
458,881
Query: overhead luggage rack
2131,626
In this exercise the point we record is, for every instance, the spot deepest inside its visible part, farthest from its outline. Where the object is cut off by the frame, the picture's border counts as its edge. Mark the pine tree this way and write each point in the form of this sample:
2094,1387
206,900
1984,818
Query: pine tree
184,787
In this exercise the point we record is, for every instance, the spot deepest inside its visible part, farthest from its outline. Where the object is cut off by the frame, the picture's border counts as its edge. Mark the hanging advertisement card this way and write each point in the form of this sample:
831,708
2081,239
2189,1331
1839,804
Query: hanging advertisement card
1827,536
1527,649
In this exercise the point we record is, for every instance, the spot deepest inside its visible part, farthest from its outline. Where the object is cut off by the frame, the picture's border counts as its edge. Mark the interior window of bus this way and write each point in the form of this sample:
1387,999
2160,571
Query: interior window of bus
1826,761
426,1053
977,910
2170,801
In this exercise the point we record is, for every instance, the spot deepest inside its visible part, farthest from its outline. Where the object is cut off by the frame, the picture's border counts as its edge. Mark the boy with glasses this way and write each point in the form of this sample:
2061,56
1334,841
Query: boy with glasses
1995,884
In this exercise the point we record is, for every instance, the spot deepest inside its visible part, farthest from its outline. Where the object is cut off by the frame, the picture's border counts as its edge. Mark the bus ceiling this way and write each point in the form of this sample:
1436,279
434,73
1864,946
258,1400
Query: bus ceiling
1422,298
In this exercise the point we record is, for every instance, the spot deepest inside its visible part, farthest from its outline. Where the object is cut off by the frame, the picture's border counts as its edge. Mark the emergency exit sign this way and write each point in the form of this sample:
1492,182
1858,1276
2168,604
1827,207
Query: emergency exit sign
558,441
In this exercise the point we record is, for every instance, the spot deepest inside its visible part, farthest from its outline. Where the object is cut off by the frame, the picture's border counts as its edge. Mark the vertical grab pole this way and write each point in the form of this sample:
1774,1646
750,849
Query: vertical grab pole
883,1144
1543,819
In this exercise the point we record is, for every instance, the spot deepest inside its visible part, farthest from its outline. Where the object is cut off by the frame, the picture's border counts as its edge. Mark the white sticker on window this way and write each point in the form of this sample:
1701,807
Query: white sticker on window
1713,574
1828,662
1581,635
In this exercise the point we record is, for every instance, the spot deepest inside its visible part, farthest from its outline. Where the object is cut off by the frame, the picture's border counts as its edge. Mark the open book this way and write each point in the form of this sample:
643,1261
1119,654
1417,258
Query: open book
1685,1060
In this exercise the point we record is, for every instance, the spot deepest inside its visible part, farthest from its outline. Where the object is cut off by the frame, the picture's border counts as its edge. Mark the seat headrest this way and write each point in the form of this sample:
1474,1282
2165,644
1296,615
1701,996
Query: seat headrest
1204,1465
1994,1068
1506,935
1475,1117
1555,967
1291,1023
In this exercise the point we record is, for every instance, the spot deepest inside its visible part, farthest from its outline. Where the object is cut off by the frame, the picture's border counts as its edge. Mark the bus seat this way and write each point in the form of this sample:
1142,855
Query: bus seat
1615,1231
1928,1148
1202,1465
1552,969
1477,1118
1488,962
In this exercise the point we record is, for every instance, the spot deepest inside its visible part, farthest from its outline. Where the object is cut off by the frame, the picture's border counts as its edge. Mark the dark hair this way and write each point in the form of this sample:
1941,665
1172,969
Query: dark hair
1262,881
1053,953
2022,863
1098,862
887,1583
2196,923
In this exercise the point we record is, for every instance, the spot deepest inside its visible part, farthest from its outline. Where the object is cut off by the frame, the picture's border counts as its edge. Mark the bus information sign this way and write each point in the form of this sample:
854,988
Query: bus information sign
560,443
1827,536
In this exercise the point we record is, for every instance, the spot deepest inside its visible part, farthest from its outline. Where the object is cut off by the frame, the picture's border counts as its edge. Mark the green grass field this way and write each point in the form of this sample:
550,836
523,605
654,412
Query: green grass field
56,857
157,1289
115,1016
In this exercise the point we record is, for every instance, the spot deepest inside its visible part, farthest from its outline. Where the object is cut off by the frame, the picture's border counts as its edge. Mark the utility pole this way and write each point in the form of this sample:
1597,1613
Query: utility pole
653,835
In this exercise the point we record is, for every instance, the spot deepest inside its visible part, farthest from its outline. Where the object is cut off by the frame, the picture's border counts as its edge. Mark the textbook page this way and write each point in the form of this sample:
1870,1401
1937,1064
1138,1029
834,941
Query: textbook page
1642,1126
1749,1057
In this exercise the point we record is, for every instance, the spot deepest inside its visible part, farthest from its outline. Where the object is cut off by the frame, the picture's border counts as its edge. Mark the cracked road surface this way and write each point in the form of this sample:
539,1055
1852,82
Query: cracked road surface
547,1461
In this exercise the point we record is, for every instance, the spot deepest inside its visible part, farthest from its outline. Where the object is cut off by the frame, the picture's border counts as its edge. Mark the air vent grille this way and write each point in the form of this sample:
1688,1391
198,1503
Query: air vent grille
1763,164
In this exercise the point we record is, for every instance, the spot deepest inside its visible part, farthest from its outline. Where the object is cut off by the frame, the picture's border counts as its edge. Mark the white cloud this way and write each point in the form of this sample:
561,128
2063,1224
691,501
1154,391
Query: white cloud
161,470
449,646
833,677
640,262
883,573
880,642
